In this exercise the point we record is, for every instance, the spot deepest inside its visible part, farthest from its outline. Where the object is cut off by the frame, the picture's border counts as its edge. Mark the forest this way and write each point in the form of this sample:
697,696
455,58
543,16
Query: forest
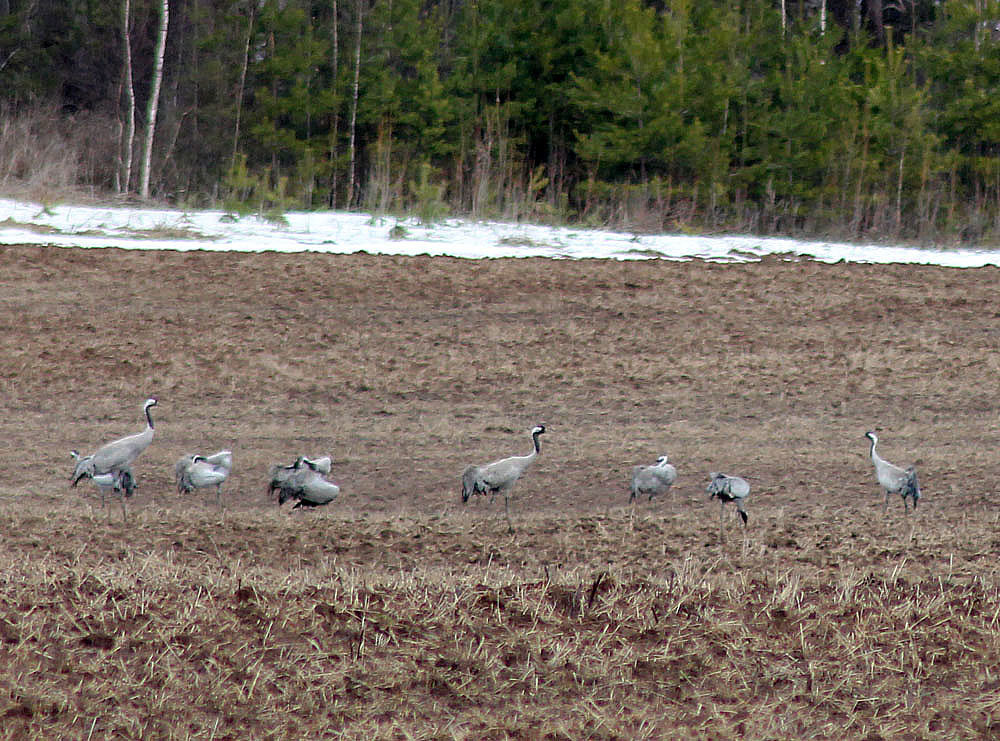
864,119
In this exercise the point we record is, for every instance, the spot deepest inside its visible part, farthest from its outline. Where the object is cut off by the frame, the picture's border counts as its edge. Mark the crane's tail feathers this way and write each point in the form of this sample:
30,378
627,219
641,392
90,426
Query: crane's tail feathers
470,483
126,483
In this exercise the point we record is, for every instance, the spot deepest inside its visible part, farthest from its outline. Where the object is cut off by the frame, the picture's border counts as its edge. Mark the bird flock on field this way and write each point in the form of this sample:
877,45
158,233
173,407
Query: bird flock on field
305,481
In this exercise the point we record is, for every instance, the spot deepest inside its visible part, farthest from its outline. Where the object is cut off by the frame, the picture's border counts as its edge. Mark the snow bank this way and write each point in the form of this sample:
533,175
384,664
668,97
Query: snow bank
340,232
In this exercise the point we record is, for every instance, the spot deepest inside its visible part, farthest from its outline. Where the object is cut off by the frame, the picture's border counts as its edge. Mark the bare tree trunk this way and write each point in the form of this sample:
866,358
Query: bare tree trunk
899,192
242,85
875,15
978,32
822,17
336,111
784,17
126,179
154,98
354,107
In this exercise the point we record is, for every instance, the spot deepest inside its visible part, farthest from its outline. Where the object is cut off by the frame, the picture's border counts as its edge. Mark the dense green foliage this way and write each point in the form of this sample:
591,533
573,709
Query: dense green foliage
864,120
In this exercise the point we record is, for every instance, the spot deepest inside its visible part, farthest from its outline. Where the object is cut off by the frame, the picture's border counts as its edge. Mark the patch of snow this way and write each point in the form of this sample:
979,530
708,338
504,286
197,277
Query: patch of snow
342,233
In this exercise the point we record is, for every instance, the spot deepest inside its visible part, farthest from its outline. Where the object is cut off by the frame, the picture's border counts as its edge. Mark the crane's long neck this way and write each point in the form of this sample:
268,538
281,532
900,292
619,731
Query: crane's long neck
534,439
149,416
875,456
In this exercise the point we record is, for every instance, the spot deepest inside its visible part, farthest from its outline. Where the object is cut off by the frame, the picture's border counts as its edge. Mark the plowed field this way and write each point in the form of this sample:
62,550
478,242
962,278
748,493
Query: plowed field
398,612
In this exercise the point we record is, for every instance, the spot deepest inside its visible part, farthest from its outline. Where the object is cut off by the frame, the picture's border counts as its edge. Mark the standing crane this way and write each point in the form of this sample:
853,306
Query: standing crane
115,458
893,479
500,476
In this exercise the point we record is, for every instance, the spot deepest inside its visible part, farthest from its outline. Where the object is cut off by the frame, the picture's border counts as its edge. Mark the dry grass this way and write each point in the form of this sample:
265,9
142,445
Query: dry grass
396,612
45,155
188,624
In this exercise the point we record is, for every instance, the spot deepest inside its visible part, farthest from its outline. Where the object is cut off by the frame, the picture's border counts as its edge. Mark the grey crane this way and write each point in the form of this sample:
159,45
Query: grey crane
893,479
729,489
304,480
200,471
116,457
121,483
500,476
281,474
653,480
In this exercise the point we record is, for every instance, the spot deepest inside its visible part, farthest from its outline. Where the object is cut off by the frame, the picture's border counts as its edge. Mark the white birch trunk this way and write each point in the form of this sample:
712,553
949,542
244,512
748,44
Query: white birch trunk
129,143
242,85
154,98
336,110
354,108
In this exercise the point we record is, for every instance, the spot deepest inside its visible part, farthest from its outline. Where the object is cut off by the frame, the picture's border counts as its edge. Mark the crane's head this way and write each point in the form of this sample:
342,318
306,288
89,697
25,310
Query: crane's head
150,402
538,430
662,460
872,436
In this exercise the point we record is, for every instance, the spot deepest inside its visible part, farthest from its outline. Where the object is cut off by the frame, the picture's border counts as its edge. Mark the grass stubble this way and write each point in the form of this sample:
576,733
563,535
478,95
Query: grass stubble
397,613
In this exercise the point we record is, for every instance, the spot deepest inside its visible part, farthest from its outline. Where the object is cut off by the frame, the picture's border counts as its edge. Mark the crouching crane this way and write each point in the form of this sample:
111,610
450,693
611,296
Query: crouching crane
729,489
201,471
305,481
121,483
652,480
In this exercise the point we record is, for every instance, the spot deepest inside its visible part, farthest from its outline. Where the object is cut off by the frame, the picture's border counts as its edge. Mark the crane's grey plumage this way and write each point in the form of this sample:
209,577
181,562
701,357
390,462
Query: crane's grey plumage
115,458
121,483
500,476
200,471
653,480
893,479
119,454
304,481
729,489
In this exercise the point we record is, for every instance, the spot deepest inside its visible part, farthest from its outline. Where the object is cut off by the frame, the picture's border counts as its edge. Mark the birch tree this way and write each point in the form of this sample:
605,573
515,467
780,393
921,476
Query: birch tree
130,101
335,124
354,104
242,84
154,97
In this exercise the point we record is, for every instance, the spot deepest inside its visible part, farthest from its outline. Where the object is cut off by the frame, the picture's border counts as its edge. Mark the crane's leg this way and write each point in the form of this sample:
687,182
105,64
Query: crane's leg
506,505
885,507
218,495
722,512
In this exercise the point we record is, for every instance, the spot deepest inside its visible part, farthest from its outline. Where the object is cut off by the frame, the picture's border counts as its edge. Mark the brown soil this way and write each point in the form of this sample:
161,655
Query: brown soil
398,612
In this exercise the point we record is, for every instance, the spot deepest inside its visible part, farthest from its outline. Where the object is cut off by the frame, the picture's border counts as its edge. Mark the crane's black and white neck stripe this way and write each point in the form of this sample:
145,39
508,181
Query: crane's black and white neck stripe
874,440
538,430
145,408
